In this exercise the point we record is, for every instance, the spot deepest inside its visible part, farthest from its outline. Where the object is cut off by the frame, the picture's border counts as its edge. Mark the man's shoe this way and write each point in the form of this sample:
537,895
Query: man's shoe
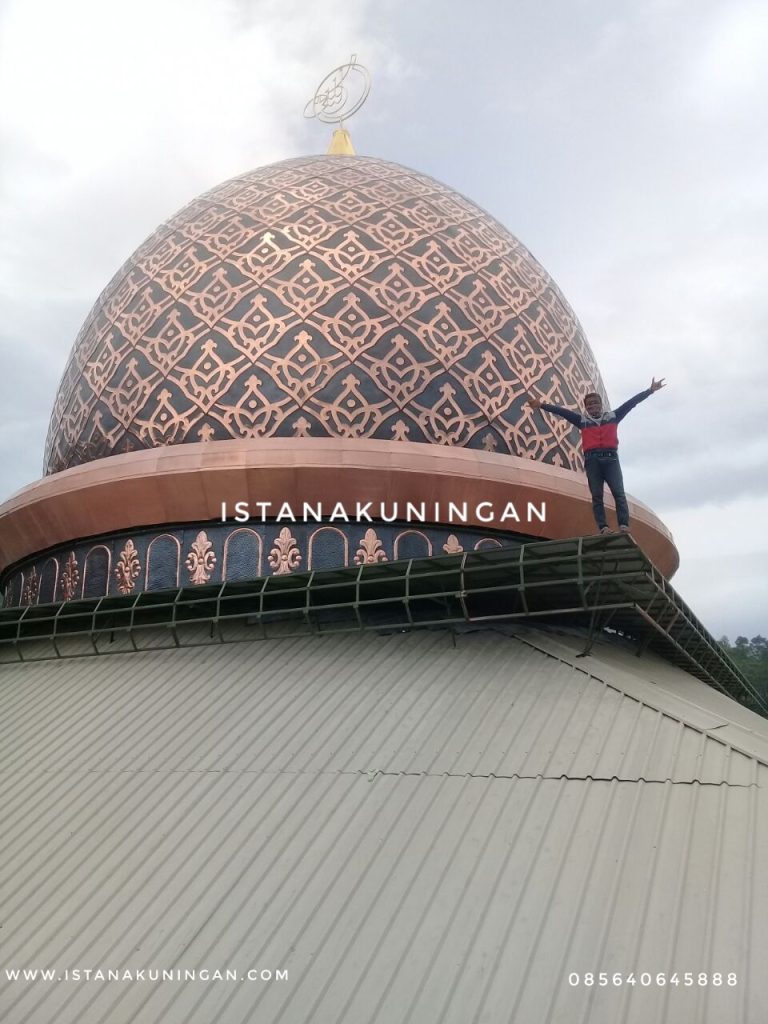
606,529
624,529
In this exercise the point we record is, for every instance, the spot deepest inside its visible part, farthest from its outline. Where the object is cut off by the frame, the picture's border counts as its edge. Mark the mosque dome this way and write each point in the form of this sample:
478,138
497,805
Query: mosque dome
338,332
325,296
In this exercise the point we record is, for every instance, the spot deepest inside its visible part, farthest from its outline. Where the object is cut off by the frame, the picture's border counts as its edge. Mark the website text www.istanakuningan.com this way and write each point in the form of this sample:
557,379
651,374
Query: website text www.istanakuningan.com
131,974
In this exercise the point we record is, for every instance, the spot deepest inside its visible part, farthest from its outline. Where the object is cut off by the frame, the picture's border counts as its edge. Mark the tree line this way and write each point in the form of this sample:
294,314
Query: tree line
751,656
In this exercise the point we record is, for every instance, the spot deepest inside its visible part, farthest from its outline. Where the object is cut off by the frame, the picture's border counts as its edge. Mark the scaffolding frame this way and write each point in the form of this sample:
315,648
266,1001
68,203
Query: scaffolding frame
602,583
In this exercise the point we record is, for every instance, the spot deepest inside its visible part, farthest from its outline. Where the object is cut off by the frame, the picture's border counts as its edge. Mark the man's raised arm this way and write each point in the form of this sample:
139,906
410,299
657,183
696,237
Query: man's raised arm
567,414
630,404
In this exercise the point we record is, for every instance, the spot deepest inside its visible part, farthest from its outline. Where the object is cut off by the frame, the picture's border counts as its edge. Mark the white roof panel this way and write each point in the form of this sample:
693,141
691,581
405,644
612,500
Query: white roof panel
417,827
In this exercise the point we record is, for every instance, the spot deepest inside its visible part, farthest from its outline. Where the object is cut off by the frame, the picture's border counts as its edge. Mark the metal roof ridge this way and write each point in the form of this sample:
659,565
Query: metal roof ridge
660,697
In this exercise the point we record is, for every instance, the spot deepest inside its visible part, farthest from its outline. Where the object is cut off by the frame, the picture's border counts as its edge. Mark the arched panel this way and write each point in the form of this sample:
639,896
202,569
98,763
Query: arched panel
328,548
412,544
98,563
163,560
242,555
49,578
12,591
487,544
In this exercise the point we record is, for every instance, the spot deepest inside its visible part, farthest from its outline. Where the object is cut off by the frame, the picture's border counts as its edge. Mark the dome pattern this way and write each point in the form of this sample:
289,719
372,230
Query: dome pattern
325,297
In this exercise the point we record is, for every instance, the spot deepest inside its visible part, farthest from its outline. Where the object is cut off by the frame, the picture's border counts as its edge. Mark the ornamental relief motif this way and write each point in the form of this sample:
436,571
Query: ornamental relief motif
446,421
253,415
350,414
185,266
70,577
201,559
400,375
446,331
263,254
489,388
128,568
209,378
352,253
263,324
169,340
126,288
285,555
31,587
352,324
131,389
168,422
106,360
371,549
342,292
301,372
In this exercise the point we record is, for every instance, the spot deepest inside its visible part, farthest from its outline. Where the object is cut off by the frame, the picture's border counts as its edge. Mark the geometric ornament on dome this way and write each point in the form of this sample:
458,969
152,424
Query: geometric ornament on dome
325,296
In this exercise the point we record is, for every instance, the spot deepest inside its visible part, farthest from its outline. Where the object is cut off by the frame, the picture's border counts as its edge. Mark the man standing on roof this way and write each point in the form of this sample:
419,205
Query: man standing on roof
600,442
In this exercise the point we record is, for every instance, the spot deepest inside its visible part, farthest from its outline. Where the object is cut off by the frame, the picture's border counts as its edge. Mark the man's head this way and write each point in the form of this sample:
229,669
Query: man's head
593,403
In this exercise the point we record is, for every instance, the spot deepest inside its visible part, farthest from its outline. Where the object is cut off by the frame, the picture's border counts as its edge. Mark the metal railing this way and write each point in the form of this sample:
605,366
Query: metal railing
603,582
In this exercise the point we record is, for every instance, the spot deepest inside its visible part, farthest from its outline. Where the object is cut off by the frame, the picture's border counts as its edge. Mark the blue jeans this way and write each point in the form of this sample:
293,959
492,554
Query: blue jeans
602,467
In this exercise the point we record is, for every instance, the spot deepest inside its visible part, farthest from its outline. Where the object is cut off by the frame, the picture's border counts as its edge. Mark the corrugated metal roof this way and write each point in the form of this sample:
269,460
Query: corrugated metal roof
417,827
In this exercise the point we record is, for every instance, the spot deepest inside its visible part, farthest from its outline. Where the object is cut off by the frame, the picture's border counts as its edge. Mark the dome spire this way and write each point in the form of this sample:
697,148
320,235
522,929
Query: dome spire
341,143
340,95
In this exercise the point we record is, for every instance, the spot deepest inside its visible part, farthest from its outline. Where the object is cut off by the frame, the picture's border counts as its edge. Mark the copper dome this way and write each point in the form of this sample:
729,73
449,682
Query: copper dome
332,296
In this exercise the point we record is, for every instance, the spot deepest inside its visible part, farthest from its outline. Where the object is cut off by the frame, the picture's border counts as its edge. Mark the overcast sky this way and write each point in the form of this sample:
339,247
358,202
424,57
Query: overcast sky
626,145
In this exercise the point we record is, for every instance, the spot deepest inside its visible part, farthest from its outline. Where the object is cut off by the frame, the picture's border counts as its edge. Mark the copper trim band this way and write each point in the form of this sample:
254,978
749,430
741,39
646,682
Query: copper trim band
188,483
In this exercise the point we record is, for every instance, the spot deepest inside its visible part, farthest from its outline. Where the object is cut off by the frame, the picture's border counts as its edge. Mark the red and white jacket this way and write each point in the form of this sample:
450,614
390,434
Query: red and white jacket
601,432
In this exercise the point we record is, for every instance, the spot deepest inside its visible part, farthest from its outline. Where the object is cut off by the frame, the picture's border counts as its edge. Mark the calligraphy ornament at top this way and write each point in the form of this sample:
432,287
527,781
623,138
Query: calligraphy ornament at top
340,94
